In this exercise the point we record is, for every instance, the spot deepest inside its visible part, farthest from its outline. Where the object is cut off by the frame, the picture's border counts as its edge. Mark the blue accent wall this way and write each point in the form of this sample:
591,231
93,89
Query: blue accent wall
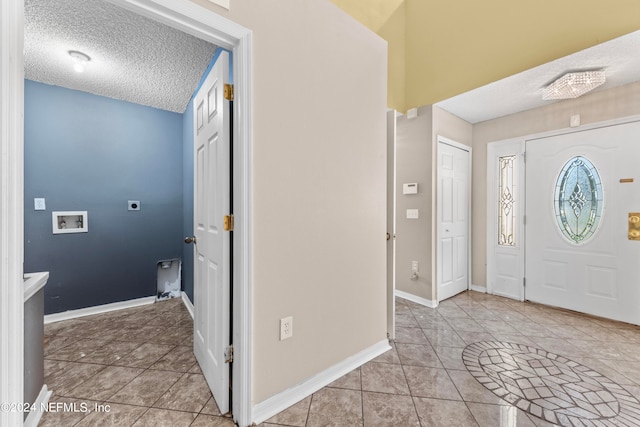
86,152
187,198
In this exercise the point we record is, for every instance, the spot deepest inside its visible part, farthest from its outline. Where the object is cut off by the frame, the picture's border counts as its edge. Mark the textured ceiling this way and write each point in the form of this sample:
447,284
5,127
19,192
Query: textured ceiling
133,58
523,91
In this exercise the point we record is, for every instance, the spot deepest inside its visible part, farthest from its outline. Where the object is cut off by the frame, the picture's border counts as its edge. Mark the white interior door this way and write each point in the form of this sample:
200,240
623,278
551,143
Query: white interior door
453,218
212,255
505,214
588,268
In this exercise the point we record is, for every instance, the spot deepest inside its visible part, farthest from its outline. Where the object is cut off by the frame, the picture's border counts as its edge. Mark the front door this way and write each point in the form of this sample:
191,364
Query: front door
212,246
453,218
580,189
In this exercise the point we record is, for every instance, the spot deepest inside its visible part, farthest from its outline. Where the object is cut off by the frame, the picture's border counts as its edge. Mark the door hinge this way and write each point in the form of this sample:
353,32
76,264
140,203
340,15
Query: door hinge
228,92
228,354
228,223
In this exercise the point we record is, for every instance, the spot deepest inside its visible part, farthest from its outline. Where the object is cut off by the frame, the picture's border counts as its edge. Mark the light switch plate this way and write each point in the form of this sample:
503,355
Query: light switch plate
39,204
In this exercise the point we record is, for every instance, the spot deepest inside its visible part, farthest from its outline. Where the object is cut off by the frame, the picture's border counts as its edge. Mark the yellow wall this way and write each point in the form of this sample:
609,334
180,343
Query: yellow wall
393,31
452,46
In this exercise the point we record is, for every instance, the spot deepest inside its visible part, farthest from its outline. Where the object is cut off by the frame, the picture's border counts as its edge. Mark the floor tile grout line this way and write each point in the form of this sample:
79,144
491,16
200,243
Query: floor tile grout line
105,366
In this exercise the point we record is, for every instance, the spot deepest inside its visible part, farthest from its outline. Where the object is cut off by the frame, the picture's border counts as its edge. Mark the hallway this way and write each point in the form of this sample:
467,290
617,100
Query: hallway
564,367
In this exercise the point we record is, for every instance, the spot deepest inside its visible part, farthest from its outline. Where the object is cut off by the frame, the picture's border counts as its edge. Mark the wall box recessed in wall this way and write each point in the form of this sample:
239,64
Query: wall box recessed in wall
69,222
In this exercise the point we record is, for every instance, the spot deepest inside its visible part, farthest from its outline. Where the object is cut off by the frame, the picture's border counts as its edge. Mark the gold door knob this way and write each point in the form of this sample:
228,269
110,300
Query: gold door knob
190,239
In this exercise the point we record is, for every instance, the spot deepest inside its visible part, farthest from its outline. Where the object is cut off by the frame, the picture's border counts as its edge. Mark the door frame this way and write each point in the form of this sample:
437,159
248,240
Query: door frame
443,140
190,18
391,223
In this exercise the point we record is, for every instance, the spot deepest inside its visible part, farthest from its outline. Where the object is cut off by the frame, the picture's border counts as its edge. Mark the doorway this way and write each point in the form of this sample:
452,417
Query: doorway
558,224
184,16
581,189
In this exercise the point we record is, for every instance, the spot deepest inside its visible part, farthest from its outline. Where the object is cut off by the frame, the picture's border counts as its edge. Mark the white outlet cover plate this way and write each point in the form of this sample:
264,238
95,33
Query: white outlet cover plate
413,213
286,328
39,204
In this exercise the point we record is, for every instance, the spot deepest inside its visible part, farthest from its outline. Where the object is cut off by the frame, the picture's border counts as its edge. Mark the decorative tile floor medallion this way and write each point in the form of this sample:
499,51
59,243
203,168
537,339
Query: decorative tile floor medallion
550,386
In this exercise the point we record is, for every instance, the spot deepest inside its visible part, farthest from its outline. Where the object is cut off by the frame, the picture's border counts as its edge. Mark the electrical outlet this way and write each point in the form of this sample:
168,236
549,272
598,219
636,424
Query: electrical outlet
133,205
286,328
415,266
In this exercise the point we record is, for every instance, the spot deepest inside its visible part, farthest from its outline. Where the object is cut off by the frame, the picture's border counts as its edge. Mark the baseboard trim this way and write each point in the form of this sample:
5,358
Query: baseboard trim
187,303
281,401
98,309
477,288
416,299
41,402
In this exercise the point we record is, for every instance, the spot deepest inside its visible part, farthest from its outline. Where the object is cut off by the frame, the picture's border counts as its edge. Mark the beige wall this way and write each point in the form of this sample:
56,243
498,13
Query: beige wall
319,181
416,152
593,108
413,236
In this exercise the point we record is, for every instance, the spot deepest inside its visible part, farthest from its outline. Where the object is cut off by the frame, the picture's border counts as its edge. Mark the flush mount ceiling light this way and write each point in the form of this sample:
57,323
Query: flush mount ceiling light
573,85
80,60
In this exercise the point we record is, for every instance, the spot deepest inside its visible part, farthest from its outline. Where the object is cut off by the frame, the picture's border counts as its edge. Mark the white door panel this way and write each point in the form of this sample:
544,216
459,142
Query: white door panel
453,219
598,275
212,202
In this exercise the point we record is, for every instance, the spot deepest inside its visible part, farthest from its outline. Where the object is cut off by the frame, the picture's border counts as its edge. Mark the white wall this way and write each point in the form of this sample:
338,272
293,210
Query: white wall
319,187
593,108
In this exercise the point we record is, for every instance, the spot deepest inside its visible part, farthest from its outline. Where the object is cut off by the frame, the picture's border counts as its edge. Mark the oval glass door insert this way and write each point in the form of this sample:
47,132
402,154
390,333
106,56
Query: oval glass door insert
578,200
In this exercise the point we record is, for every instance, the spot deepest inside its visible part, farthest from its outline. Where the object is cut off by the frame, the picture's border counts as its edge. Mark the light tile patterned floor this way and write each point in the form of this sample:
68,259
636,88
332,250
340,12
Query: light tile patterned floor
146,371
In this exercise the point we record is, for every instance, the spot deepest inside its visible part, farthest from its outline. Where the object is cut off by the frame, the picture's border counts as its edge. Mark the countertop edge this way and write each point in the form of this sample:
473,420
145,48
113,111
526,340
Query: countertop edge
33,282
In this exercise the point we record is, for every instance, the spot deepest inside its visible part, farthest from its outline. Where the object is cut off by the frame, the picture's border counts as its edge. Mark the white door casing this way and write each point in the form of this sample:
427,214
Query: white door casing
11,209
505,232
391,222
453,212
212,248
193,19
598,275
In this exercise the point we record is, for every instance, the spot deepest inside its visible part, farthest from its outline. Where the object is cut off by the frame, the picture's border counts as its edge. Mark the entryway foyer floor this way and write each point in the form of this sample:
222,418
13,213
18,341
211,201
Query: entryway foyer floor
476,360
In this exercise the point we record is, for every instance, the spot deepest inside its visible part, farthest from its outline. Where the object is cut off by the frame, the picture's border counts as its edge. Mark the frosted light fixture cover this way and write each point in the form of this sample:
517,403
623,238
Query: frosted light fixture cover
573,85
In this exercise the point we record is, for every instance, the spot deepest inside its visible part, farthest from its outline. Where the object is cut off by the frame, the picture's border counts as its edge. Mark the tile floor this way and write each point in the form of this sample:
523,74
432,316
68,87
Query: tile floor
148,376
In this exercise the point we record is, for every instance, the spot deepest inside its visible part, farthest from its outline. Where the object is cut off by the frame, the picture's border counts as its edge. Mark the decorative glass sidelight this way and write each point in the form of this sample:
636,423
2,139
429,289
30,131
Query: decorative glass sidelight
506,201
578,200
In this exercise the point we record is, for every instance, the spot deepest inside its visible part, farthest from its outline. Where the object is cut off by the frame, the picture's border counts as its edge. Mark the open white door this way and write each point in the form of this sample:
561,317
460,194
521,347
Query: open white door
581,189
505,219
212,243
454,172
